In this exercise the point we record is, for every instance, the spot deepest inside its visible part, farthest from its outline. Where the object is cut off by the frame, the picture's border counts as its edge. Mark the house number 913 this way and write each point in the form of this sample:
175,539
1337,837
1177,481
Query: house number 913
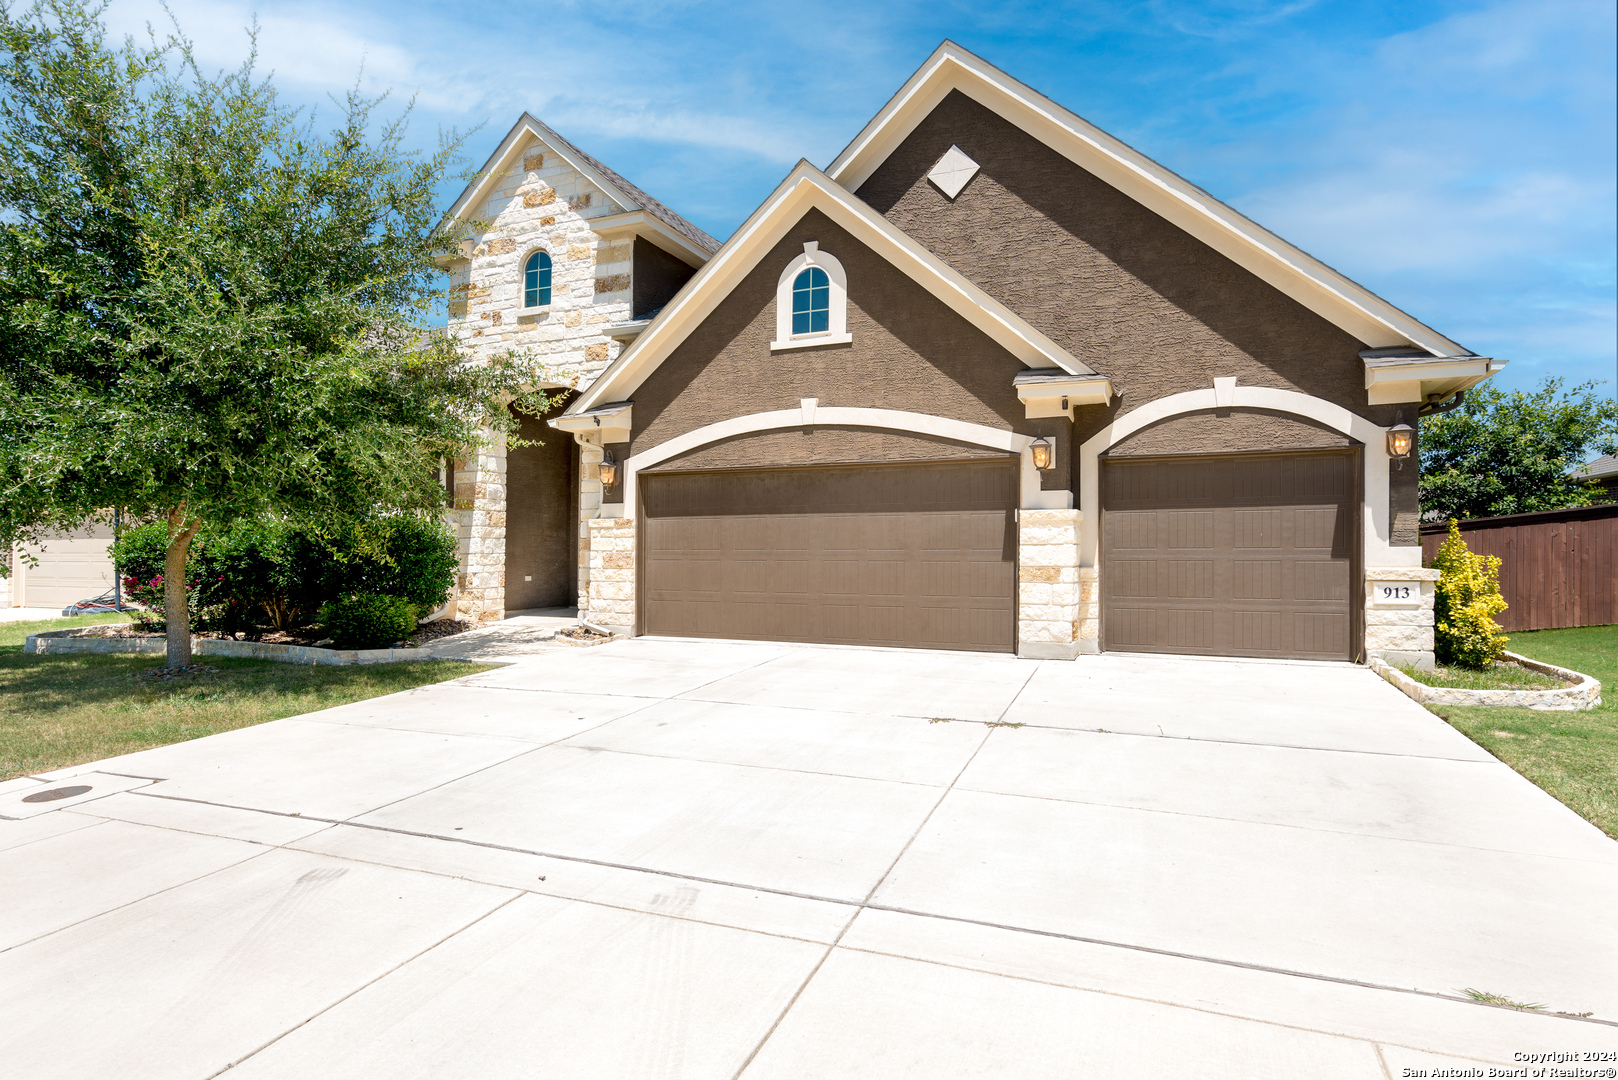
1396,592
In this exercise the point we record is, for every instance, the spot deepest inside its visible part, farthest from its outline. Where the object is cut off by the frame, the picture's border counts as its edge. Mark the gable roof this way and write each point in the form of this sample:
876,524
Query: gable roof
806,188
1312,283
625,194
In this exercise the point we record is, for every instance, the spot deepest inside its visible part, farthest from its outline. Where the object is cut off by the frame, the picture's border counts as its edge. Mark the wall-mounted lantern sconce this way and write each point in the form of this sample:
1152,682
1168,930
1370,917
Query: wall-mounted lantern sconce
1044,454
1401,437
609,470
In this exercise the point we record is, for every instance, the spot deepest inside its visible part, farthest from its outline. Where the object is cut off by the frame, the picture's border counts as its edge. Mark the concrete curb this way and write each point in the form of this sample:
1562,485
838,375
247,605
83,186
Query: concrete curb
1585,693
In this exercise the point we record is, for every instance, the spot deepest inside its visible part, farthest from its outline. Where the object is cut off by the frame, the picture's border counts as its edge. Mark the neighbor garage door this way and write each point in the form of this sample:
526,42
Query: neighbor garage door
1233,556
921,556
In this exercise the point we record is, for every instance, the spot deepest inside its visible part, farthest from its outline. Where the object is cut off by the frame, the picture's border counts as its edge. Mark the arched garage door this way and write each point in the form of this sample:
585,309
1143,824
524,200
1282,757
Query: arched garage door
1251,555
912,555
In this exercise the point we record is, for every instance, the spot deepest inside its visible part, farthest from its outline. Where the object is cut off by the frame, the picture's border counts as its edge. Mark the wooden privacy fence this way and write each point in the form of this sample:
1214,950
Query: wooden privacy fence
1558,567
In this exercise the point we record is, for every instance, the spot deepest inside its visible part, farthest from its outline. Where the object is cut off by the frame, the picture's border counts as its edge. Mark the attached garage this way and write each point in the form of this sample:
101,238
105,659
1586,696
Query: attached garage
1241,555
911,555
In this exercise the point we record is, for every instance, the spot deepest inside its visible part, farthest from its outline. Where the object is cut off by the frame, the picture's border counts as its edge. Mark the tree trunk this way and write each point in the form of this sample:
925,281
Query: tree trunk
176,609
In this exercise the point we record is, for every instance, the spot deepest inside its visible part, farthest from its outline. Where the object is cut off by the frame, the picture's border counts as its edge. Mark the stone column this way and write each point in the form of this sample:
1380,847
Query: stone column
589,507
1051,607
1399,614
611,599
480,527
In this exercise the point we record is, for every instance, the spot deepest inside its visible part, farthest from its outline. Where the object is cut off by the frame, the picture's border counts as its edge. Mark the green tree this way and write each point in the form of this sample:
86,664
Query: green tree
1510,453
209,310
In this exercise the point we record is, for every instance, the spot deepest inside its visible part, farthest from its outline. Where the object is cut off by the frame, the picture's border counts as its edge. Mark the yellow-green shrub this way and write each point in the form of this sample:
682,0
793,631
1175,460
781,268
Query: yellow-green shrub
1468,598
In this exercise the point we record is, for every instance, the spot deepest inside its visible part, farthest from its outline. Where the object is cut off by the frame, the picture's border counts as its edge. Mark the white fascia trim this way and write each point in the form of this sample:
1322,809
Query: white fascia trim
603,425
1301,276
1377,529
640,223
806,188
1478,369
495,167
894,419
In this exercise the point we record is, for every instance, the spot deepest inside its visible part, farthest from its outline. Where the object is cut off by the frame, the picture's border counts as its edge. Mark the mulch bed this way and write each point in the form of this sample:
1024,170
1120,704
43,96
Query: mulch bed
582,633
427,632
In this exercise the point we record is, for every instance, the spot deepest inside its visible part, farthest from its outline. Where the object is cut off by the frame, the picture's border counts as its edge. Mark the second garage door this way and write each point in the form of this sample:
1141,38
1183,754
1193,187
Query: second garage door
920,556
1233,556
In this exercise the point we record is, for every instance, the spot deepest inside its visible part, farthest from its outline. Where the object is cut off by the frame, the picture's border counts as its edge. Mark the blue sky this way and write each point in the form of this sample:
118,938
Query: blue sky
1455,157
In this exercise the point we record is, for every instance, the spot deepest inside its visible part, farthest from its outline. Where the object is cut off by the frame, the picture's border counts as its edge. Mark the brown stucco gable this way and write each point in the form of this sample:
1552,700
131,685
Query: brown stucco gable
1124,290
910,352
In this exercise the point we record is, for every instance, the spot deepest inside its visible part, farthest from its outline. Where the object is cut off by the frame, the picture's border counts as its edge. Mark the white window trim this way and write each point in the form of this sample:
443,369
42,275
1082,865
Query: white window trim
836,332
522,282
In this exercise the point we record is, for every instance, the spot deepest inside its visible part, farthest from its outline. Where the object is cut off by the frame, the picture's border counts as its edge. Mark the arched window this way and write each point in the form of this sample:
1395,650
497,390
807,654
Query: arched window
811,302
536,280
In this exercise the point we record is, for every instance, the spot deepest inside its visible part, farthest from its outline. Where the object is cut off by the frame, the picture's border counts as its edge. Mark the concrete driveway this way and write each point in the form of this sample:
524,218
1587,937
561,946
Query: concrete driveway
665,858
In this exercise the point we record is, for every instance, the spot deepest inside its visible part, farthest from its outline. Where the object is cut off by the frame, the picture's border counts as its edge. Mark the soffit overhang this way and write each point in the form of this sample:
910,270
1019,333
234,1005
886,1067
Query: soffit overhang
807,188
1310,282
1403,375
606,423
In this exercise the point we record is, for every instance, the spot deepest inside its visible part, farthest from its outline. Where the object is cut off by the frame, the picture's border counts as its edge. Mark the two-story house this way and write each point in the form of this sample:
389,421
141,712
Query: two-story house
993,380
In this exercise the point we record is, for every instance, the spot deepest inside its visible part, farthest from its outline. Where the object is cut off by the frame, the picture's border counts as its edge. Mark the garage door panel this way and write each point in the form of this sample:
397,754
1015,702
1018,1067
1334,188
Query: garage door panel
916,555
1257,579
1190,528
1258,632
1320,580
1133,529
1273,540
1188,579
1324,633
1189,629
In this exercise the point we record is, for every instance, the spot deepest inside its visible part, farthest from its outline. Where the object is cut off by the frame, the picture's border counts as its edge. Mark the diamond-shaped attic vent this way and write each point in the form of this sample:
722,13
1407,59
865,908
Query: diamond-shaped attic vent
952,172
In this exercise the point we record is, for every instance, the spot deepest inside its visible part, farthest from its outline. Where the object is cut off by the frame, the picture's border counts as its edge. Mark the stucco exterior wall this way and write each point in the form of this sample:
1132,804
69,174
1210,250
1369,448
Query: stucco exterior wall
910,352
1127,292
658,276
1230,431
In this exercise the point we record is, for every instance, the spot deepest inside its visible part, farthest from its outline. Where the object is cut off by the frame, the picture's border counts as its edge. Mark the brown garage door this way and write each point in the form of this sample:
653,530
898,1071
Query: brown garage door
921,556
1231,556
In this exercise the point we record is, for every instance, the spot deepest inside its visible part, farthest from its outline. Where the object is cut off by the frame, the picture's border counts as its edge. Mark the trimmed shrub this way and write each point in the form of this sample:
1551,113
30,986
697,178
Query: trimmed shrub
406,555
368,621
1468,598
258,574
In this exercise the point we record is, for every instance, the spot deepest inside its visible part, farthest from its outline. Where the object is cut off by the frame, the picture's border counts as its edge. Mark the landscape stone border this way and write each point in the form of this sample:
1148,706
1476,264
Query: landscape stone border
1585,693
102,639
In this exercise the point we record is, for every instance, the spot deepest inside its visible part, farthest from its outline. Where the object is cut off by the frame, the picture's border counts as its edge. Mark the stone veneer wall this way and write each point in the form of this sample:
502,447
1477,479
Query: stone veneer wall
611,599
1400,631
479,521
589,507
1055,596
541,203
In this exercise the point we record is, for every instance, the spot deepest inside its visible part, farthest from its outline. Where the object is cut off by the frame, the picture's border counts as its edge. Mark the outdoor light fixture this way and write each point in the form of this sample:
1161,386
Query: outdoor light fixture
1043,452
609,470
1401,437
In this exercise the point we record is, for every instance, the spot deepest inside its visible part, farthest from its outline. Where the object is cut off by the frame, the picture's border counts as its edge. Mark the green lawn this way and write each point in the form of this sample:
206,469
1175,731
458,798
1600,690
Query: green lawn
57,711
1572,755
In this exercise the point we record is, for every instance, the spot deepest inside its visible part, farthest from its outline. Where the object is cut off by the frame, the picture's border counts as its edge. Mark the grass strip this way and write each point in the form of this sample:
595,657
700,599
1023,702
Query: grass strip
1572,755
62,710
